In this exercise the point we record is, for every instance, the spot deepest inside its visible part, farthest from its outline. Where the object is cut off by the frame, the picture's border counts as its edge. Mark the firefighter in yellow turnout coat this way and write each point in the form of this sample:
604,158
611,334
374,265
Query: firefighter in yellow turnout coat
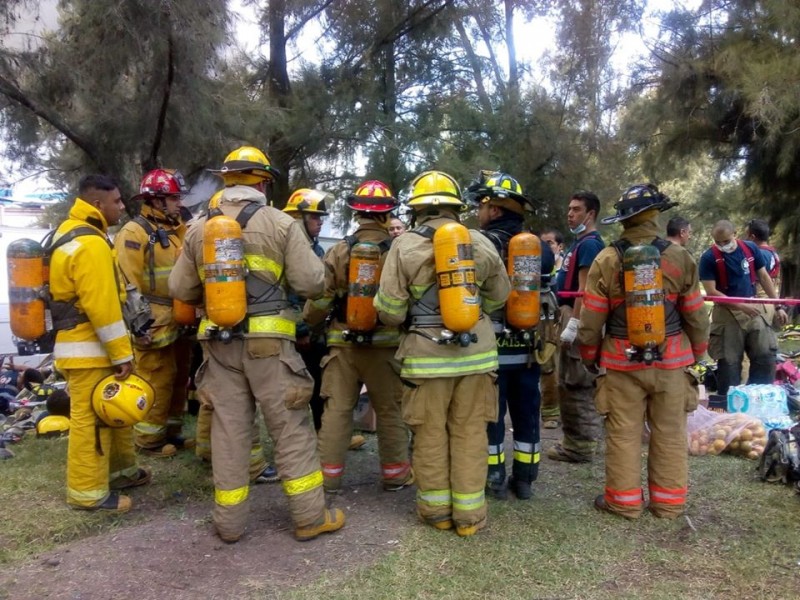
147,248
633,390
450,393
363,356
259,363
92,343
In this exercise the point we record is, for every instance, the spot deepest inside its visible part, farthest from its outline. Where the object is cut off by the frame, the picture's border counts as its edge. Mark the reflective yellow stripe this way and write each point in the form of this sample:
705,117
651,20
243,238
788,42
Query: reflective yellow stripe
259,262
304,484
434,497
418,290
472,501
93,496
523,457
382,338
445,367
231,497
497,459
265,324
146,428
490,306
389,305
322,303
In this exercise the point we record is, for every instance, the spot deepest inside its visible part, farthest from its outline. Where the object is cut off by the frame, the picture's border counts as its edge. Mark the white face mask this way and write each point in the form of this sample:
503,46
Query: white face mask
727,248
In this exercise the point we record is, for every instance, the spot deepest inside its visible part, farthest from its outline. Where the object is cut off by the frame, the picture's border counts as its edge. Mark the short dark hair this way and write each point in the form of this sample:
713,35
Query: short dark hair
58,403
559,237
675,225
96,182
589,199
30,376
759,229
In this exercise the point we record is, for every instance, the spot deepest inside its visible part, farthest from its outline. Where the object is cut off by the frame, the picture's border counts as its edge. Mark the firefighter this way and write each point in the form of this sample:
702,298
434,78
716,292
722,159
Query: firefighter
551,413
650,309
361,349
501,209
147,248
449,392
733,267
581,426
248,344
92,343
309,207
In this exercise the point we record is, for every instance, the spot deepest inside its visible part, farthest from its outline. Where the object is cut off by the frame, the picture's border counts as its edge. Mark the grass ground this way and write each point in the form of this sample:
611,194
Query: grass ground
740,539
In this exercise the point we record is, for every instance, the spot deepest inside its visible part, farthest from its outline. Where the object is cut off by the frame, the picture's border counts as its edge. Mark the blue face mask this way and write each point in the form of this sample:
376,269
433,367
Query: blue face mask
578,230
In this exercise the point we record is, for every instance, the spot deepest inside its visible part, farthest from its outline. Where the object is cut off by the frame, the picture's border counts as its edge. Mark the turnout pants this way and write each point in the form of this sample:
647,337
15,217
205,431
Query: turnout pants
448,416
519,392
626,399
733,335
344,370
158,367
581,425
313,358
203,440
89,468
236,377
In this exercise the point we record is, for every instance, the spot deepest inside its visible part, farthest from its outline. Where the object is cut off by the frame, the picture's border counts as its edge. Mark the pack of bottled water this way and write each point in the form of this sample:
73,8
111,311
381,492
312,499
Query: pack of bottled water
764,401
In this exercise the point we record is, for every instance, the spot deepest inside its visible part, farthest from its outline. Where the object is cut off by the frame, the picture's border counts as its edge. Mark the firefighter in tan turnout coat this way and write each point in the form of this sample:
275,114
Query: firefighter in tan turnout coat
255,360
450,392
646,351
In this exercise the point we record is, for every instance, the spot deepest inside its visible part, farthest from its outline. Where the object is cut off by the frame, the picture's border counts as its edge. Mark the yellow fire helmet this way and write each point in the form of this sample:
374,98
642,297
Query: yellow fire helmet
52,426
122,403
435,188
307,201
246,166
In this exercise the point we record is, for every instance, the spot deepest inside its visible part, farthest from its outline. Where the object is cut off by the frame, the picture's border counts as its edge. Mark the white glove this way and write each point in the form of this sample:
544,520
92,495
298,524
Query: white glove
570,331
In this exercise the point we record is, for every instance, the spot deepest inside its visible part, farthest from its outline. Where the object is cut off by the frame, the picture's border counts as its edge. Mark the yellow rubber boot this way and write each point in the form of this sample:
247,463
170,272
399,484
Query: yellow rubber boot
333,521
356,441
468,530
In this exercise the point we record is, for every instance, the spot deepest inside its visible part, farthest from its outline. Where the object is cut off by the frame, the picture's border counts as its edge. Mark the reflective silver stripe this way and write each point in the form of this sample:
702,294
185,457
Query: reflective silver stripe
145,428
537,447
656,496
495,449
471,501
79,350
523,447
513,359
434,497
109,333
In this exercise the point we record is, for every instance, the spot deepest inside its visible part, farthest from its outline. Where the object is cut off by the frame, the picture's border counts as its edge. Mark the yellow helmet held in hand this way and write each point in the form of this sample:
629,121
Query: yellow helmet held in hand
435,188
246,166
308,201
122,403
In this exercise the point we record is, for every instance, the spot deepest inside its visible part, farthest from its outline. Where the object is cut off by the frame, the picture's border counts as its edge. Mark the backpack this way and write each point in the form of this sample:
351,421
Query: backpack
781,458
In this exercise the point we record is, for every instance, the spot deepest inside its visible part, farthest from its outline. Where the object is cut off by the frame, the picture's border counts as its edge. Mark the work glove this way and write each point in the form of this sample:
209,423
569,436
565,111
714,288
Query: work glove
570,331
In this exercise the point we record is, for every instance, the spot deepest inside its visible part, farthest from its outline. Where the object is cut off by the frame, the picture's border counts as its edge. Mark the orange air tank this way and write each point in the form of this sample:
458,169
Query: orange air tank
525,273
644,296
362,285
26,280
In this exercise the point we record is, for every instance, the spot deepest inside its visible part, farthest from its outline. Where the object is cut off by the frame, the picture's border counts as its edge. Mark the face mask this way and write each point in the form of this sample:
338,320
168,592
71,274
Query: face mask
578,230
727,248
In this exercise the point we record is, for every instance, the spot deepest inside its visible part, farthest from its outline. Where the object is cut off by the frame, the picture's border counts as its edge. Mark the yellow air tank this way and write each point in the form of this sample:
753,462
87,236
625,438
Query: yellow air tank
459,299
224,269
644,299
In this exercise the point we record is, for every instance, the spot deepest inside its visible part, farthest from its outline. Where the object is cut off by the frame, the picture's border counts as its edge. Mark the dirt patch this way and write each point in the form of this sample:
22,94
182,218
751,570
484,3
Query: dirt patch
180,557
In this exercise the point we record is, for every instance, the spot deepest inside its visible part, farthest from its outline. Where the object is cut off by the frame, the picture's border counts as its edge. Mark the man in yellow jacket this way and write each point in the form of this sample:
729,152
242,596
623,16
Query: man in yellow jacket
255,360
147,248
92,342
450,393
